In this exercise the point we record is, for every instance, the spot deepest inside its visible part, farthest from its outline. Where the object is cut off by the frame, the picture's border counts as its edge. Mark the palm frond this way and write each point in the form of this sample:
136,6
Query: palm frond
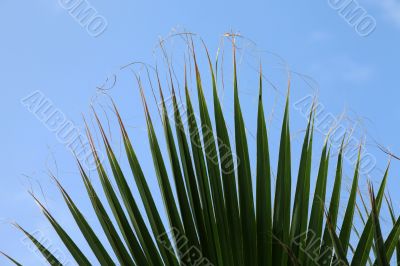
215,216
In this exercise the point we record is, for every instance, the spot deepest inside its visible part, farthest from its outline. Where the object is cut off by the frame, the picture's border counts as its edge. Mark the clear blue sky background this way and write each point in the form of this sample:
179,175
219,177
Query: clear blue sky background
43,48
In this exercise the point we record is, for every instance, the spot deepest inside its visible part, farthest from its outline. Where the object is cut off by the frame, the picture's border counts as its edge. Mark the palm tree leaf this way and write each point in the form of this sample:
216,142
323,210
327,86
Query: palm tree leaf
281,217
96,246
214,172
381,252
66,239
317,211
392,240
183,199
327,247
51,259
347,224
10,258
298,230
131,206
162,176
392,216
111,233
203,180
246,200
340,258
130,238
363,248
204,231
263,185
227,165
152,212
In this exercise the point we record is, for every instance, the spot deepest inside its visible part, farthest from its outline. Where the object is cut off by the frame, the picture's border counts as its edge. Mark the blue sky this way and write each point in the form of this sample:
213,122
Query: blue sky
44,48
